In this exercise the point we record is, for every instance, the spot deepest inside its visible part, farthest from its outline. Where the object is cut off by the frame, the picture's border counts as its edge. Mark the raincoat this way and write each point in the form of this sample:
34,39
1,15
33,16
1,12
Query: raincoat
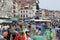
33,27
23,37
17,37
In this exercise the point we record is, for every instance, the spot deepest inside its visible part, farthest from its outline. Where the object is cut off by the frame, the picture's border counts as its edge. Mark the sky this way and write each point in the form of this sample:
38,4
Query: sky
50,4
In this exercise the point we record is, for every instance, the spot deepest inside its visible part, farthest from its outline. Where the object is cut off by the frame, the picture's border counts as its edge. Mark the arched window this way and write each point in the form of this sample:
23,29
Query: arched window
26,11
14,2
21,11
21,15
14,11
13,6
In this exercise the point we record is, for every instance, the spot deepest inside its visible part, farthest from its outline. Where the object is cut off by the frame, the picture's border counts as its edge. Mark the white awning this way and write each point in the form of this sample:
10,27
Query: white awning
43,20
1,21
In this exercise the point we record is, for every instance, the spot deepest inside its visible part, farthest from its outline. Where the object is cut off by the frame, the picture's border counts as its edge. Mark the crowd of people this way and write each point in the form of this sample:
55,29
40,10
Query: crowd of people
27,31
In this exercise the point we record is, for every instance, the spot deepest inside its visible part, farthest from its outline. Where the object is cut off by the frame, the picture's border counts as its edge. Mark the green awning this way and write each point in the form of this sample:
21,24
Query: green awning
13,19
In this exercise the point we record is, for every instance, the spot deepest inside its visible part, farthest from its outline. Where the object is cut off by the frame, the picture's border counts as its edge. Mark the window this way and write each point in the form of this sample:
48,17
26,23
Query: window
13,6
40,13
46,15
21,11
26,15
14,2
26,11
14,11
21,8
37,11
26,7
21,15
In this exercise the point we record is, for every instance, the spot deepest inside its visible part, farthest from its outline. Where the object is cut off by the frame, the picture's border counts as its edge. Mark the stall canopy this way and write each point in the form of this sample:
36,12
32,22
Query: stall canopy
43,20
1,21
13,19
5,21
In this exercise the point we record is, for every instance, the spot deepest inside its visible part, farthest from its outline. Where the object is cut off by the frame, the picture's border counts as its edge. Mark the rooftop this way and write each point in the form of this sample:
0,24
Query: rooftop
25,2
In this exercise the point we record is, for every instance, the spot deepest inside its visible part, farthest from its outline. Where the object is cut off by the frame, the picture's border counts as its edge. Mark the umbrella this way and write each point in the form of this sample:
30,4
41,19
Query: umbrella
1,21
12,31
7,21
13,19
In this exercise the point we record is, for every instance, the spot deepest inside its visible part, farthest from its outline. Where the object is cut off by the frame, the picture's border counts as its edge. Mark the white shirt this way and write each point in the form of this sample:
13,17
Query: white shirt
28,38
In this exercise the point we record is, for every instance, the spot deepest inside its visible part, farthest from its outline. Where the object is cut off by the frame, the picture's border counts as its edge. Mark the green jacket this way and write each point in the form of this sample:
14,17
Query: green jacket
48,33
37,38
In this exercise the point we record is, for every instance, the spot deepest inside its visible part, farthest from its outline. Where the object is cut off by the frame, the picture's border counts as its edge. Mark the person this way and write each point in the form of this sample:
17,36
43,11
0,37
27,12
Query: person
1,34
39,31
5,34
29,28
48,33
17,37
0,31
22,36
36,30
53,34
4,30
33,26
42,27
8,37
28,36
56,28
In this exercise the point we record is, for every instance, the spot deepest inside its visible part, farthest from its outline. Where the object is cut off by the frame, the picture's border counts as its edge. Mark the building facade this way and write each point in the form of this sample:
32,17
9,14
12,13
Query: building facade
5,8
49,14
17,8
25,8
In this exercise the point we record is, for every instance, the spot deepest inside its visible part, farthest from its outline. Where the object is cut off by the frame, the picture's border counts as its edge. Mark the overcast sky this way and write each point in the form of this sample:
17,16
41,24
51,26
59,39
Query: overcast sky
50,4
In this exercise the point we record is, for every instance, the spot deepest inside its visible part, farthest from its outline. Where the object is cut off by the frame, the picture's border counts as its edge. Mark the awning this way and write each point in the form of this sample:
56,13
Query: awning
1,21
13,19
43,20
